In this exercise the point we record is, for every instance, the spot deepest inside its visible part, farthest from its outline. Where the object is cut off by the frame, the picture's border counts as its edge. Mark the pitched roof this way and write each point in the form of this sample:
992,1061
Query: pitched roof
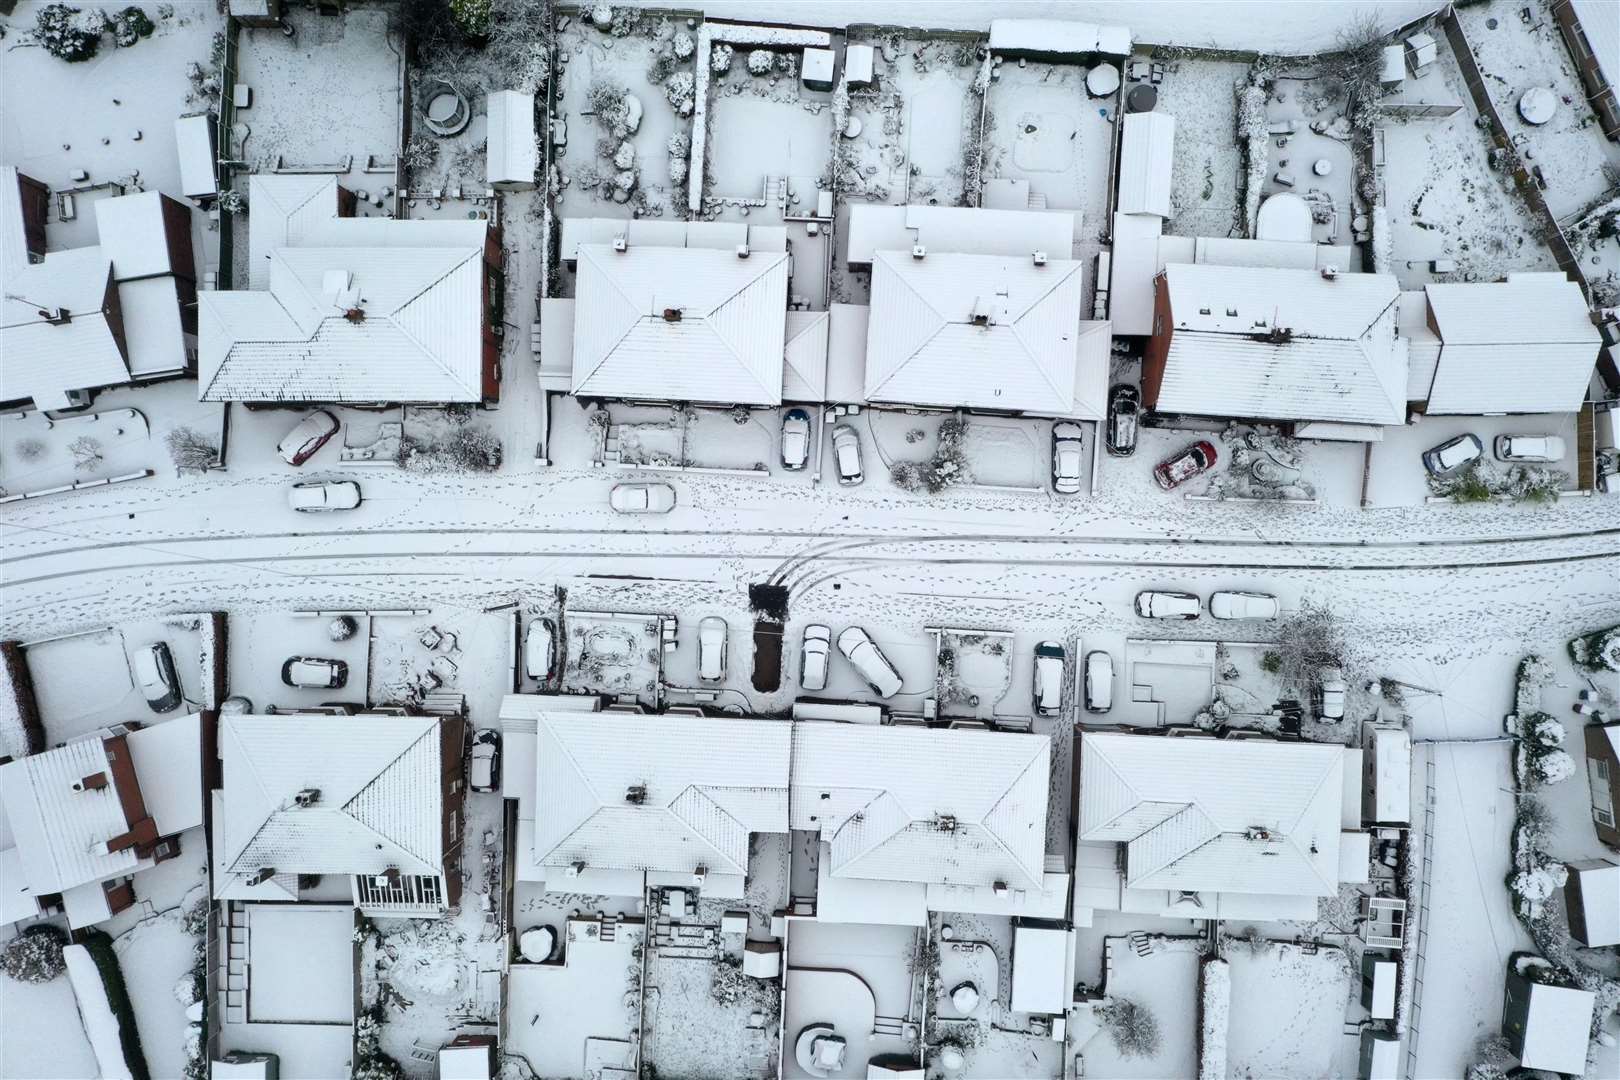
725,347
924,348
379,803
40,360
699,806
1525,345
924,805
1146,150
1246,816
56,828
285,207
512,154
421,339
804,368
1283,344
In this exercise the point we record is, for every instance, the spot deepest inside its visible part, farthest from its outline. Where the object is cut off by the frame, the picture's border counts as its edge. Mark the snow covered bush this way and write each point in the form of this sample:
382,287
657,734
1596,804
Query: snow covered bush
625,156
1534,885
680,150
185,990
720,58
420,152
1256,140
472,17
341,628
35,955
760,61
129,26
602,17
1537,759
681,92
1554,766
1131,1026
608,104
1215,989
1597,651
1534,673
69,33
946,468
468,448
232,201
683,46
29,449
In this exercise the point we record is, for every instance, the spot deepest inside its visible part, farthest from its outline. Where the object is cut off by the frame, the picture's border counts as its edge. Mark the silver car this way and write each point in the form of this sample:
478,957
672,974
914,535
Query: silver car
813,656
865,657
847,455
318,496
642,498
1067,443
712,649
1242,605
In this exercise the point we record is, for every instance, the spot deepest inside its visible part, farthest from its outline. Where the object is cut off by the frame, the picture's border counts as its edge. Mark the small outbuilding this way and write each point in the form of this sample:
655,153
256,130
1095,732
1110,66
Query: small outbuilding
858,65
511,156
816,69
1380,1056
194,141
1592,899
468,1057
1147,150
1548,1027
1386,794
1378,979
1042,969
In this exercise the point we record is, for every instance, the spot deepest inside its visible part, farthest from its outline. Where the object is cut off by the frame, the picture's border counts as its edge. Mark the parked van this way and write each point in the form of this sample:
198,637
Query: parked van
1048,685
865,657
1099,681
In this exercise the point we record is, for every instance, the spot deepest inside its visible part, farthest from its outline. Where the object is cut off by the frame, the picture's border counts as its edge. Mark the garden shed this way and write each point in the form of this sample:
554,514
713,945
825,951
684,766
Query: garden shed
511,156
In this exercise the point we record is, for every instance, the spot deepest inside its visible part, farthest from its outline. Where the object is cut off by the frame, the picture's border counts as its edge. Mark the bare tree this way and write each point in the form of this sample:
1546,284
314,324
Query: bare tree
1356,66
1309,639
1131,1026
86,453
191,450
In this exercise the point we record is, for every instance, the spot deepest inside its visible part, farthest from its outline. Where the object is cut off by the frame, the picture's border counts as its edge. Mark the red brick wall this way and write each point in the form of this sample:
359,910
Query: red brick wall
1158,346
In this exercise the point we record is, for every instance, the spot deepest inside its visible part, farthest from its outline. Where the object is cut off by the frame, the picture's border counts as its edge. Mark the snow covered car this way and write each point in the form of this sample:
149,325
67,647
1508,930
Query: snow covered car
847,455
313,672
1067,441
1124,403
1242,605
642,498
1048,683
1330,690
1162,604
307,436
1198,458
484,760
155,675
540,650
316,496
712,649
865,657
1529,448
795,439
1453,455
1099,681
813,656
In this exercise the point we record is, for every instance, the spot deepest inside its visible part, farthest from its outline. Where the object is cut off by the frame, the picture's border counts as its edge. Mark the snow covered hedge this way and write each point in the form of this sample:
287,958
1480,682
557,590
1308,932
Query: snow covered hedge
1597,651
1214,1011
109,1019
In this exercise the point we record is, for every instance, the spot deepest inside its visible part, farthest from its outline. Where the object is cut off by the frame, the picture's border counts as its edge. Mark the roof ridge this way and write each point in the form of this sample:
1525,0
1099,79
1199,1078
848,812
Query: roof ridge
1107,762
731,347
394,319
424,733
586,253
984,820
694,789
246,759
906,822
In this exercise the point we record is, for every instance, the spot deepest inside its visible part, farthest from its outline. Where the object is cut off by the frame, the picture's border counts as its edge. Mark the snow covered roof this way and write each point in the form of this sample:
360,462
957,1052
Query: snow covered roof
1249,816
974,331
804,357
1390,750
1052,37
379,802
421,339
1133,265
1602,32
1147,149
285,207
1600,900
723,344
964,230
1282,344
168,764
925,805
153,329
130,230
1526,345
58,829
697,806
512,156
194,143
42,360
1042,970
1422,343
1557,1028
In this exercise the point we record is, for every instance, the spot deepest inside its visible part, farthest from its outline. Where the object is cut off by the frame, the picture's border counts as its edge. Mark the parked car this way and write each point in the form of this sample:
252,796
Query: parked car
1048,685
1162,604
1330,691
1198,458
642,498
813,656
155,675
864,655
1067,441
1453,455
1124,405
307,436
1099,681
484,760
795,439
847,455
1243,605
712,649
1529,448
540,650
313,672
315,496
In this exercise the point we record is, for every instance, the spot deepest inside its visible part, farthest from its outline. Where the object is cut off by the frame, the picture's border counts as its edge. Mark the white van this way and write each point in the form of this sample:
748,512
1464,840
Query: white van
1048,687
1099,681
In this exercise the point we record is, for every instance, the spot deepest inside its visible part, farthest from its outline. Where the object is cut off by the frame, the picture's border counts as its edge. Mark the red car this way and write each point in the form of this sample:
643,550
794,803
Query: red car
1198,458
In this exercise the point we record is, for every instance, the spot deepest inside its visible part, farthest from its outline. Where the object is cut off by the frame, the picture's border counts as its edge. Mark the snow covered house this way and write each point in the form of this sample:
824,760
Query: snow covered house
376,798
511,154
1603,776
84,319
80,822
1592,902
1524,345
1592,35
610,802
1273,344
1207,828
344,309
1548,1027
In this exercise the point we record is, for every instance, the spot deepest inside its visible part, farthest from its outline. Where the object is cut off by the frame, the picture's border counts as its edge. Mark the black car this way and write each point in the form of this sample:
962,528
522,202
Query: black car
1124,403
314,672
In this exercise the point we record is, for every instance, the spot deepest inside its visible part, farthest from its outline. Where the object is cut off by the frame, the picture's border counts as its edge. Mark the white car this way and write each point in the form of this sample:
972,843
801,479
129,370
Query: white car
712,649
155,674
317,496
307,436
1099,681
813,656
642,498
484,760
540,650
1529,448
1330,694
847,455
1048,680
1067,442
1160,604
1243,605
864,655
795,439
